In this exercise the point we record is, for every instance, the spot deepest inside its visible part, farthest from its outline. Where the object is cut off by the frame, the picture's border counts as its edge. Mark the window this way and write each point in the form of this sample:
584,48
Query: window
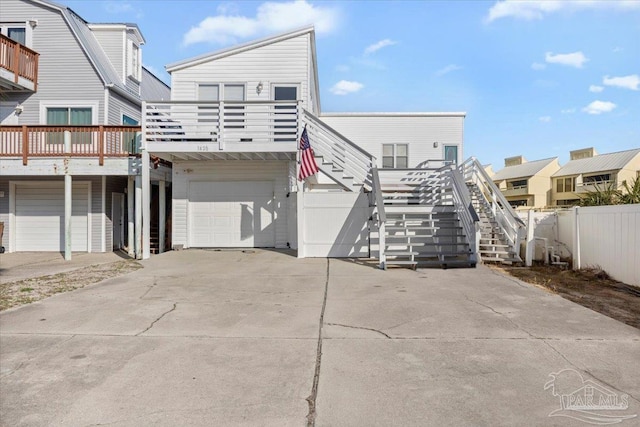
451,154
130,138
134,62
234,114
515,185
286,123
128,121
17,32
565,185
517,203
597,179
395,156
209,113
65,116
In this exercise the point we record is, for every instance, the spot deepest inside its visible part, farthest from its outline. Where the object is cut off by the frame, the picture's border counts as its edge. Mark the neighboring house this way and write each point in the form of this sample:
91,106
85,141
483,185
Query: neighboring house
232,130
588,171
70,112
526,184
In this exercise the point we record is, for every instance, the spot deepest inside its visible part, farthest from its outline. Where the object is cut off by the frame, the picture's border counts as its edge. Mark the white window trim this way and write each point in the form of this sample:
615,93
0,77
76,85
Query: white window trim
273,85
135,75
70,104
124,113
28,36
394,155
221,86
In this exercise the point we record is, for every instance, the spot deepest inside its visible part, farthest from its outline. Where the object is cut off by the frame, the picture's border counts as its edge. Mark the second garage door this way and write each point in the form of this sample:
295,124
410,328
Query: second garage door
231,214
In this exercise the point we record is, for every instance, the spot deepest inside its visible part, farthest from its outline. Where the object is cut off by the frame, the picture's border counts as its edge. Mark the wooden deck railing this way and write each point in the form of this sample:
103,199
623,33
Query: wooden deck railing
81,141
19,59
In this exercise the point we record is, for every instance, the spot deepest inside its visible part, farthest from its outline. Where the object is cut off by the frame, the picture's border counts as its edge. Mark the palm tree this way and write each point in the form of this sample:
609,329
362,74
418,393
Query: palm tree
631,193
603,194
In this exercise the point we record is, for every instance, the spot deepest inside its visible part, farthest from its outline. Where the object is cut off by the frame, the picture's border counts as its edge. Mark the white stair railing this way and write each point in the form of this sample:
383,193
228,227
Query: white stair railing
464,208
507,219
338,150
381,218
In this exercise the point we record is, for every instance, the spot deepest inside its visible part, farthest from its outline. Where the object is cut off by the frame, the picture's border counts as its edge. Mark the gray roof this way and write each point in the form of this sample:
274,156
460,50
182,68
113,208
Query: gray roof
524,170
152,88
599,163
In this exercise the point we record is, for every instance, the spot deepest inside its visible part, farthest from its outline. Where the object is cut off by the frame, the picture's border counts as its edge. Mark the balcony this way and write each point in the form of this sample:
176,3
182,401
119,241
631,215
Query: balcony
211,129
39,141
516,190
593,186
18,67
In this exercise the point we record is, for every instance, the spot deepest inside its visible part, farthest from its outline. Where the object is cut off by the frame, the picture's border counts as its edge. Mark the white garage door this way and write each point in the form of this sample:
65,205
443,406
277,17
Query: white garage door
39,217
231,214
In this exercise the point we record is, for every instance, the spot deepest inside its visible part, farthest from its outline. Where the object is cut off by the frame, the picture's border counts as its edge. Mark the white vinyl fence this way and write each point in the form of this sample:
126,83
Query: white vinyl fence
607,237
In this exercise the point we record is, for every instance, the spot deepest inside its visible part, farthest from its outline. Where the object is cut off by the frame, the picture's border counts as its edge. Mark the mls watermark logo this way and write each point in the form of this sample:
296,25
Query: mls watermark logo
586,400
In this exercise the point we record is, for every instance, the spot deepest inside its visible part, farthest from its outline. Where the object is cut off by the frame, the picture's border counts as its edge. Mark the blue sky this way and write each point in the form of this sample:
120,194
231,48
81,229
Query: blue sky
537,78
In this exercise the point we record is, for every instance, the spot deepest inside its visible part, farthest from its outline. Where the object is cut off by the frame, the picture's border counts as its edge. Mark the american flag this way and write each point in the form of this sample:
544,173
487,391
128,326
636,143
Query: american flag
308,164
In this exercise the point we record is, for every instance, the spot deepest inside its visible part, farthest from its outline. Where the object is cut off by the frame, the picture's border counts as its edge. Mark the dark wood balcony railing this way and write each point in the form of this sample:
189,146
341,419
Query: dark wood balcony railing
19,60
69,141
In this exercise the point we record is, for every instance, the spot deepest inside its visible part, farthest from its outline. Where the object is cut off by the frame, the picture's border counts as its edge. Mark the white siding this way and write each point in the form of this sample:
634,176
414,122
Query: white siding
184,172
64,72
281,62
420,132
130,83
113,44
113,185
118,106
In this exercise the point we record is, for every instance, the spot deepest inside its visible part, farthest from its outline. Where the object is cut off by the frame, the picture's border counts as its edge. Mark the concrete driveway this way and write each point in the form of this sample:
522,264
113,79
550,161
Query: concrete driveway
232,338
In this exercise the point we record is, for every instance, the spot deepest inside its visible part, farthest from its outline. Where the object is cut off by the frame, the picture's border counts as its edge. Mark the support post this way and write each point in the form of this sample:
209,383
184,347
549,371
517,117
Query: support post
101,145
130,217
138,226
68,203
162,195
531,243
146,206
576,239
25,145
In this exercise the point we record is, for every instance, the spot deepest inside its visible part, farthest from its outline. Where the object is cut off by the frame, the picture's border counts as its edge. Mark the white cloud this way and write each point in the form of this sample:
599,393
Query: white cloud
116,7
545,119
568,111
537,9
627,82
344,87
575,59
379,45
595,89
538,66
617,49
599,107
342,68
448,69
226,28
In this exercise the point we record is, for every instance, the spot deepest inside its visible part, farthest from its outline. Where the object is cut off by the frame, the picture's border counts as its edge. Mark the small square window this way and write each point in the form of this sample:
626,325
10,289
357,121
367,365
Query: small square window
395,156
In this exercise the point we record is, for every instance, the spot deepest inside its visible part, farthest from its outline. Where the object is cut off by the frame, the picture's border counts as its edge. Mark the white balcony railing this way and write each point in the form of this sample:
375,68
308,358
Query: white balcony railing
223,125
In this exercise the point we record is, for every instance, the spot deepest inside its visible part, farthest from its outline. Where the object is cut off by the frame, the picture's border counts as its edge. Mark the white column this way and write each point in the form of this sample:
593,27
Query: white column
300,218
68,203
138,226
162,195
146,206
131,244
103,214
576,239
531,243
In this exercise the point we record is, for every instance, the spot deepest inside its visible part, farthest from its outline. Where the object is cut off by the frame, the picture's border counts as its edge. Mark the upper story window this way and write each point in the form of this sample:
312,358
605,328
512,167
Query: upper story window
597,179
233,113
17,31
395,156
517,184
565,185
134,63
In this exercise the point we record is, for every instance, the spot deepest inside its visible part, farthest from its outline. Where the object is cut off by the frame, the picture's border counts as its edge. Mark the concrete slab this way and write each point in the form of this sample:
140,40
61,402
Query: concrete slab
202,337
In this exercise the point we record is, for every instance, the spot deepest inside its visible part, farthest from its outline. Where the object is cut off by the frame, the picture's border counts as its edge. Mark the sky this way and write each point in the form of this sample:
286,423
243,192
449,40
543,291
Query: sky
536,78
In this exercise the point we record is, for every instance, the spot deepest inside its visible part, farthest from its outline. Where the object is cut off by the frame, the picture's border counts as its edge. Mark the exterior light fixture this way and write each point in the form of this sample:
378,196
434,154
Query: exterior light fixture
259,88
435,144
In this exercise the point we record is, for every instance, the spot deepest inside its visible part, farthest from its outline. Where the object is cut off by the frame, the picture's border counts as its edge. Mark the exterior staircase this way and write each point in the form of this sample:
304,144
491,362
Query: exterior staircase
501,230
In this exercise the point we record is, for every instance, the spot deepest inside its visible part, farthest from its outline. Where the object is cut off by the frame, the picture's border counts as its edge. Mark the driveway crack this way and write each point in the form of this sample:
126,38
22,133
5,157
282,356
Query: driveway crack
311,415
520,328
158,319
360,327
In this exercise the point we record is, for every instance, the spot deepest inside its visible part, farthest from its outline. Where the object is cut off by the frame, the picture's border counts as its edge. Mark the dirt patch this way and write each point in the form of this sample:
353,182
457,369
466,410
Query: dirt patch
26,291
591,288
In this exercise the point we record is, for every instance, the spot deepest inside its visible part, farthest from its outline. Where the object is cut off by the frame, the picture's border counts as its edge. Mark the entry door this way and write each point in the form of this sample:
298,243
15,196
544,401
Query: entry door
117,218
286,124
451,154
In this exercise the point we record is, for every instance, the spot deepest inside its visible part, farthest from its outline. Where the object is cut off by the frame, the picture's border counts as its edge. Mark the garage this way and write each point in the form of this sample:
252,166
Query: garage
39,217
232,214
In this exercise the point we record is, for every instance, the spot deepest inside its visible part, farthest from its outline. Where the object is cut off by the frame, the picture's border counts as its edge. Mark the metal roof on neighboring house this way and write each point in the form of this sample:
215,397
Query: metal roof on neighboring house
599,163
524,170
152,88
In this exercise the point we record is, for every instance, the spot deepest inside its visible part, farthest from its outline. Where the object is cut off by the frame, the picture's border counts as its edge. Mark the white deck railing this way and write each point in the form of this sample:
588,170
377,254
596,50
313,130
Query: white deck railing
222,122
464,208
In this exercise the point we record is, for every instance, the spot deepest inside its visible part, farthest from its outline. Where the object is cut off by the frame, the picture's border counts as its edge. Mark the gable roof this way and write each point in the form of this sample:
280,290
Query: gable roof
523,170
599,163
91,47
152,88
174,66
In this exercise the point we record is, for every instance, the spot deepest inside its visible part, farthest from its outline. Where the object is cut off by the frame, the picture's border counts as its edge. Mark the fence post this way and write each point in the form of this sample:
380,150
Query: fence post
16,62
530,246
576,239
25,145
101,145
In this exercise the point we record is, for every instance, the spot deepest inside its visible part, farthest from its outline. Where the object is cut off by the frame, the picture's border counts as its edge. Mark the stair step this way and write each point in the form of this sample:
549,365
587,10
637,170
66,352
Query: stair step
400,253
410,227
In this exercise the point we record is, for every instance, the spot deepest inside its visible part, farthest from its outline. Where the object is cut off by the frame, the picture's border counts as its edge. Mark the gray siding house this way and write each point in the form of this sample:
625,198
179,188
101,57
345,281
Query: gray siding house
70,110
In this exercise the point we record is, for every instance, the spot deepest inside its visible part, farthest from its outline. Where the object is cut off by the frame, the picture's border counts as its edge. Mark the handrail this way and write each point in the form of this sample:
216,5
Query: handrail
19,59
382,218
504,214
335,132
466,212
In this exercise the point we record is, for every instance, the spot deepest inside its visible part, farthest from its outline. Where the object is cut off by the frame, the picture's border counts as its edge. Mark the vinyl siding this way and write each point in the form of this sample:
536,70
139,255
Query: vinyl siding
129,83
113,43
281,62
118,106
184,172
420,132
64,72
113,185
